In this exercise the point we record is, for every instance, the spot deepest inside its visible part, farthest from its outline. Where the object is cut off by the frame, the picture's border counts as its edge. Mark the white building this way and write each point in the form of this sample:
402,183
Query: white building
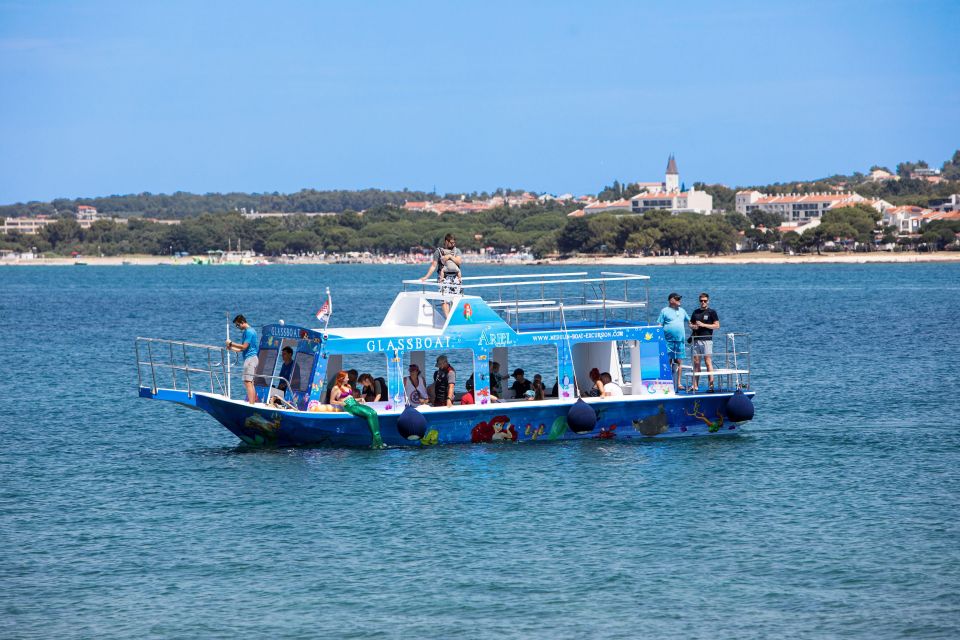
906,219
668,196
674,202
795,207
949,204
26,226
603,207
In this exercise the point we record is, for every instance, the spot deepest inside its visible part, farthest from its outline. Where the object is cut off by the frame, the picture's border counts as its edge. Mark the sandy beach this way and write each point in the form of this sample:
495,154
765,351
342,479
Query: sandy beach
733,259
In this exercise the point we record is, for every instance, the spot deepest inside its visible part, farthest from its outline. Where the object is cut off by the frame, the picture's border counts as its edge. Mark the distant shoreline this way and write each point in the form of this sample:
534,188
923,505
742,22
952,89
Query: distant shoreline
735,259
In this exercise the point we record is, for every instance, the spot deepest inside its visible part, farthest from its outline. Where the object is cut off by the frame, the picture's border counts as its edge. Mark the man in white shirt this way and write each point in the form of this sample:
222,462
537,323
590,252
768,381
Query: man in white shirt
610,388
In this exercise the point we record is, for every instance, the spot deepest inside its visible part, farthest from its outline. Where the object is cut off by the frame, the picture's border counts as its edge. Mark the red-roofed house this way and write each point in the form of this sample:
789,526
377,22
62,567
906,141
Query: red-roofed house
906,219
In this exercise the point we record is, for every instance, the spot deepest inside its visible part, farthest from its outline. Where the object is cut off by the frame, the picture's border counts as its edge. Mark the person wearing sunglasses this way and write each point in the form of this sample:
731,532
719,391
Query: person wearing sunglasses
703,321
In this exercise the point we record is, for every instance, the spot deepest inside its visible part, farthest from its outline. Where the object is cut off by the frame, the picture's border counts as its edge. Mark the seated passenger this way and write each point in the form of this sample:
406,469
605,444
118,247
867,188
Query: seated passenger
467,398
555,392
596,390
413,388
539,391
340,390
373,389
520,385
352,379
610,388
496,380
289,371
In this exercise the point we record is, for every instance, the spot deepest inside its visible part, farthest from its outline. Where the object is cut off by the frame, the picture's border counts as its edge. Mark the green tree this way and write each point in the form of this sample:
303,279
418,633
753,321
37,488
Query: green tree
644,241
62,234
576,236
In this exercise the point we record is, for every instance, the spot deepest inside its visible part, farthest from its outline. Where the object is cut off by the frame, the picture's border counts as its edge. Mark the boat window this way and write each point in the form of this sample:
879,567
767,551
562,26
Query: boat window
373,363
460,359
266,361
301,377
603,356
534,360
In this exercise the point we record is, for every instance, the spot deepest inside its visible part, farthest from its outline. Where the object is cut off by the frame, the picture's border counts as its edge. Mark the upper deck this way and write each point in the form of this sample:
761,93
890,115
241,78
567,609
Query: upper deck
525,302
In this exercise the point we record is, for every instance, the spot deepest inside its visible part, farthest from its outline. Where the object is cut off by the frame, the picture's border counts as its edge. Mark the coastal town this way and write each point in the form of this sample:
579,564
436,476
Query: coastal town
777,221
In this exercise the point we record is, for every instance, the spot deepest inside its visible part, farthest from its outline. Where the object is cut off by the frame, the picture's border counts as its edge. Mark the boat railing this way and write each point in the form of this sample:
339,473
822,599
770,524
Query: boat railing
730,359
182,366
546,300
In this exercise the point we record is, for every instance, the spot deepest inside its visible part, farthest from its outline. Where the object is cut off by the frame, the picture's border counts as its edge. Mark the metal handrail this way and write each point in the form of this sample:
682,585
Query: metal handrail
183,366
589,300
280,378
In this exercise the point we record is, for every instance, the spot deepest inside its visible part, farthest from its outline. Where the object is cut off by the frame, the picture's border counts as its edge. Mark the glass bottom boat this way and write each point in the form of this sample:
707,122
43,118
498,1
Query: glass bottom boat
568,325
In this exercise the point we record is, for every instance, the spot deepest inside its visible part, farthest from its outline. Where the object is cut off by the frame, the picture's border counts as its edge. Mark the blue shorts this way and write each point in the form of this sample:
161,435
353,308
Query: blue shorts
676,349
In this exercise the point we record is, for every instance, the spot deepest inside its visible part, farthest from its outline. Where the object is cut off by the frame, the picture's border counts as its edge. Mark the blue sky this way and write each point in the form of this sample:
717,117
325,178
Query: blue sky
100,98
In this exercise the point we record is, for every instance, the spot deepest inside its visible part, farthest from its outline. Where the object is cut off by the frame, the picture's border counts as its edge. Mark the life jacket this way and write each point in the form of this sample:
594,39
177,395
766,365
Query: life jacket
441,385
384,393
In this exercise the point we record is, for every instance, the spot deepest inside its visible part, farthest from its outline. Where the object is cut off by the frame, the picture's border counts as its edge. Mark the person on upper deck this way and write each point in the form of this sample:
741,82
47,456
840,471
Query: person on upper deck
446,261
248,346
413,387
444,381
520,384
703,322
673,318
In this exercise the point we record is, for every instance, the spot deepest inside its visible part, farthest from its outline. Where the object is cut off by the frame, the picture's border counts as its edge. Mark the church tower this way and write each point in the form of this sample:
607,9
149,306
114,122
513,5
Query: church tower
672,182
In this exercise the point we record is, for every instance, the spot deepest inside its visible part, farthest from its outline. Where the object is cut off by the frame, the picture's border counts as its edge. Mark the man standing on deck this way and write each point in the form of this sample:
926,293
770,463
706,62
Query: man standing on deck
703,321
447,260
674,321
248,345
444,381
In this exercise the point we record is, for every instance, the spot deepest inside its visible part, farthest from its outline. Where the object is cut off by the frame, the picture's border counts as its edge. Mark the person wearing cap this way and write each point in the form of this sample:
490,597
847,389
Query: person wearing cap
520,385
444,381
674,318
413,387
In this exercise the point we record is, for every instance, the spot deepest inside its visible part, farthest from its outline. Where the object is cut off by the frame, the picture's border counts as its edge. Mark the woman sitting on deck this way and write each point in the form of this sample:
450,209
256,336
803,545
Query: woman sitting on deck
414,388
341,390
596,390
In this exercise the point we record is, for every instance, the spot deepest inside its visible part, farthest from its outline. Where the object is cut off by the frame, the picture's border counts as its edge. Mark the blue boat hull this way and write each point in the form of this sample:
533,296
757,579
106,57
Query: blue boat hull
661,417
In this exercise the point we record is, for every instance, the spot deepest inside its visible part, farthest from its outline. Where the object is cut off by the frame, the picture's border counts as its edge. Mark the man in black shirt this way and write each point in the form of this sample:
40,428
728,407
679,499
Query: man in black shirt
703,321
520,385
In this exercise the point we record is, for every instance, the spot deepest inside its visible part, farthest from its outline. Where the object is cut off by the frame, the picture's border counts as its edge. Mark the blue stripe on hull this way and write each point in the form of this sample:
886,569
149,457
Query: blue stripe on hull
674,416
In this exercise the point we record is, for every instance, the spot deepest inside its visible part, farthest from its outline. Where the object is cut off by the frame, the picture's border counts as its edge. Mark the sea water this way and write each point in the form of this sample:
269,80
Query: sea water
834,513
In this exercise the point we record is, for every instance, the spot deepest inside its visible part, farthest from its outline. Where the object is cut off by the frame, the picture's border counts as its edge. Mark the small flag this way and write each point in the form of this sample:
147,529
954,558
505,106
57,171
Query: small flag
324,314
